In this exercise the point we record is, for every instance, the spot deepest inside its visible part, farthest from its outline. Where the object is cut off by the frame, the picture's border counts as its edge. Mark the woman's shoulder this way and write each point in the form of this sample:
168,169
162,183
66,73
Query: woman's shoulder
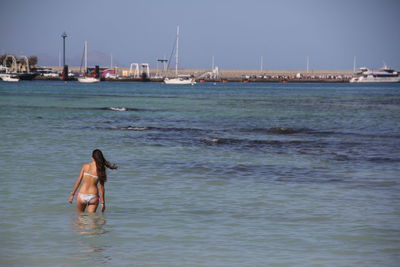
85,166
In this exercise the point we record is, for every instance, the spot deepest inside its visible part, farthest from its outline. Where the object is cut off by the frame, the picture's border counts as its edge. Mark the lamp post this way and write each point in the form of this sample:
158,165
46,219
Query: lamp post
65,67
64,35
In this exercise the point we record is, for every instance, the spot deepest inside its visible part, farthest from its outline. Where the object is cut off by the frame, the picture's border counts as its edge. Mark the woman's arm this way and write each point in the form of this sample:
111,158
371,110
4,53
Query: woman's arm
76,186
102,197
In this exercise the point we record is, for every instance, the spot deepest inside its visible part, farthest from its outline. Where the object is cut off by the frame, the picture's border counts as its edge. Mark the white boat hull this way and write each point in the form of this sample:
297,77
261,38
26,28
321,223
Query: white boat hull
383,75
88,80
375,80
8,78
182,81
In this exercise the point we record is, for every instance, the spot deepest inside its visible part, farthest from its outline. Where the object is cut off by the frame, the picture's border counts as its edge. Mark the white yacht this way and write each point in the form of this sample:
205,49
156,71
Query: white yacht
384,75
179,79
85,78
88,79
10,78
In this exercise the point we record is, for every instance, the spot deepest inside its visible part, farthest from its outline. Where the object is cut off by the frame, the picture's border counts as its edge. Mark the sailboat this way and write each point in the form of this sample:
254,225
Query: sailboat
86,78
179,79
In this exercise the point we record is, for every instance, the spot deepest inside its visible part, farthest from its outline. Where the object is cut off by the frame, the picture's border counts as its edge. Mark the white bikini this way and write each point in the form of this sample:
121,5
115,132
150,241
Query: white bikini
89,198
91,175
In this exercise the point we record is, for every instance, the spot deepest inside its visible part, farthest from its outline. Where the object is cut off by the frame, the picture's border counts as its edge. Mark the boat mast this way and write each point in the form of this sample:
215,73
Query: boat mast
111,61
177,51
85,57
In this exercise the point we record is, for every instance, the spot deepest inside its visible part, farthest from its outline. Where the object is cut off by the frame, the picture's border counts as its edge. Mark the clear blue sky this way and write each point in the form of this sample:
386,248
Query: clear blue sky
237,33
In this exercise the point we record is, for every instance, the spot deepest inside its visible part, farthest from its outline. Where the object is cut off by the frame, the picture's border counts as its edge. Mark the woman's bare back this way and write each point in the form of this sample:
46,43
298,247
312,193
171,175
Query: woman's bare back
89,179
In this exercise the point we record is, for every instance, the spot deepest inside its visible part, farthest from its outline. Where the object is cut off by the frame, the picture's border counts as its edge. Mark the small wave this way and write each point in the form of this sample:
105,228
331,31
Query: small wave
130,128
335,180
342,158
222,141
160,129
120,109
81,108
284,130
232,141
383,159
280,130
175,129
288,131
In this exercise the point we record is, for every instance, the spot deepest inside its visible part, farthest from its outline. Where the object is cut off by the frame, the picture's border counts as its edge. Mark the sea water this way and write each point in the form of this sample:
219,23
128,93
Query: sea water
209,175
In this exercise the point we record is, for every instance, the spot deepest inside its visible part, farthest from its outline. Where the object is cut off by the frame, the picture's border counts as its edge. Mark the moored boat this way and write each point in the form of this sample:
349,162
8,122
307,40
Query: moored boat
10,78
87,78
383,75
179,79
5,71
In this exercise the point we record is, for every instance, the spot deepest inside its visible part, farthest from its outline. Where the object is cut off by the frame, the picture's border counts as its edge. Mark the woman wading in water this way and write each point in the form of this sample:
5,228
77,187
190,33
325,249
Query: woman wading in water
91,175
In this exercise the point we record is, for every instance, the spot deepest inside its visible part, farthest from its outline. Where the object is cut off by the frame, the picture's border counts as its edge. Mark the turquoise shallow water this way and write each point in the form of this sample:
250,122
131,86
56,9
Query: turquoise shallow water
210,175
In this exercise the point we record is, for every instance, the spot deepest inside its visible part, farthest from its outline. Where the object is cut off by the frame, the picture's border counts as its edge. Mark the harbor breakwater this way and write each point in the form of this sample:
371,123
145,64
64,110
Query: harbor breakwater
226,75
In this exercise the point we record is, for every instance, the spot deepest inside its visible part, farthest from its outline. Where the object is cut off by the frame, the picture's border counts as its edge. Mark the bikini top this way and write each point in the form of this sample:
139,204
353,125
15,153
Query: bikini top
88,174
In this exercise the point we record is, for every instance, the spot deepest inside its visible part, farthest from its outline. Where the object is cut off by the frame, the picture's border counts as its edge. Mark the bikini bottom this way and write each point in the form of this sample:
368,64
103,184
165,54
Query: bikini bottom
88,198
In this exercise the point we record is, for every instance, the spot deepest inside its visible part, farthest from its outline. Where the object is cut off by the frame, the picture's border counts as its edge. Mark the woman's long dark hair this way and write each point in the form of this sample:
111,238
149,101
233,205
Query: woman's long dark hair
101,164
